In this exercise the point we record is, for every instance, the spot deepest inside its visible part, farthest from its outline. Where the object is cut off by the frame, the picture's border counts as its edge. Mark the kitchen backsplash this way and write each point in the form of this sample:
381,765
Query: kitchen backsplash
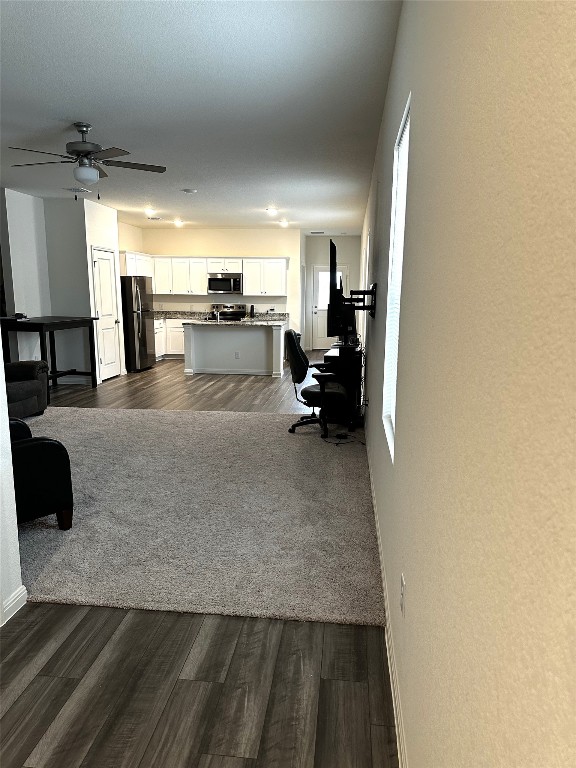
176,304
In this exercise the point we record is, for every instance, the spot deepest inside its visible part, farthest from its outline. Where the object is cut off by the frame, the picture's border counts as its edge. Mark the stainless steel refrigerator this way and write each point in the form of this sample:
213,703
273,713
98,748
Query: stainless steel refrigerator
138,323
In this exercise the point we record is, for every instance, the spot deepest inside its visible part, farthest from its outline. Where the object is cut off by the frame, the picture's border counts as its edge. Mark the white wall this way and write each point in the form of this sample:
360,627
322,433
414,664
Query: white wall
72,229
478,509
239,243
25,266
12,593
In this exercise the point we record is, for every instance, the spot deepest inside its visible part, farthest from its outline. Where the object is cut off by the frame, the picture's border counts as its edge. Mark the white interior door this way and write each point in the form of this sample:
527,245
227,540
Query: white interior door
321,293
106,305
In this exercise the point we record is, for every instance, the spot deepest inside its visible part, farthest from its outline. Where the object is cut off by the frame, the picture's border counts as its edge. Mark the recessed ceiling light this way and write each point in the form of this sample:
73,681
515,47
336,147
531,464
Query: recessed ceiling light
189,191
283,223
178,223
272,210
149,212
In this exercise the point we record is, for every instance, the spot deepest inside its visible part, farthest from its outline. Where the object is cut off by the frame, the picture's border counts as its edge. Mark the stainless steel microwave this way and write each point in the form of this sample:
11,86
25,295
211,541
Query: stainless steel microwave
230,282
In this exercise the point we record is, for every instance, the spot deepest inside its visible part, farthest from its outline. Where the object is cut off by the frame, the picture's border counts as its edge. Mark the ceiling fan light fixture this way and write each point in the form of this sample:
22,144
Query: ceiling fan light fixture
86,174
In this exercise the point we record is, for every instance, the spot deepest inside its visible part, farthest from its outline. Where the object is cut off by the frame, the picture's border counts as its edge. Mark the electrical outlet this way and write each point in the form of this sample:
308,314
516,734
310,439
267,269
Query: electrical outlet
402,595
237,355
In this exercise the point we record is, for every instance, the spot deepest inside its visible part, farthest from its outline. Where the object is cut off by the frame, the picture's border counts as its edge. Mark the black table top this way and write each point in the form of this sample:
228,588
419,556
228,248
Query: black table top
46,321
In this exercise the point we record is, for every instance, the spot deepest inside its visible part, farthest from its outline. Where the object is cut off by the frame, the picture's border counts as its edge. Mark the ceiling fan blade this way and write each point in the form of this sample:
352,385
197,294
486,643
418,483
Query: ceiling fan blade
104,154
101,171
135,166
48,162
55,154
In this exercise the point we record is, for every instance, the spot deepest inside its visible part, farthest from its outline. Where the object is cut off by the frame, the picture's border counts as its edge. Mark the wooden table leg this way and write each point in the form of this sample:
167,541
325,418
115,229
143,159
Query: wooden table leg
53,363
91,331
5,345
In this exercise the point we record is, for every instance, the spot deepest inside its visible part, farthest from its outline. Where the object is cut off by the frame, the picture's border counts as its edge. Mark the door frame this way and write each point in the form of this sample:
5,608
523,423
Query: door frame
94,249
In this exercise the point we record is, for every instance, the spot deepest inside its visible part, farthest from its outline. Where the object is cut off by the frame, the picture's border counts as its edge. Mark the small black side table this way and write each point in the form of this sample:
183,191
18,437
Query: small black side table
49,324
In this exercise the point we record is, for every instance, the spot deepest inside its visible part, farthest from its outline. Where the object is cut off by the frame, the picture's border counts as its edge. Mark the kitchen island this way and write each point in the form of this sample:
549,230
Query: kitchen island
253,347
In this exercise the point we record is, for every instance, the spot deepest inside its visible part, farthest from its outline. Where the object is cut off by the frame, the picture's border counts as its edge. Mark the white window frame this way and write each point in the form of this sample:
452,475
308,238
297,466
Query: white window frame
395,261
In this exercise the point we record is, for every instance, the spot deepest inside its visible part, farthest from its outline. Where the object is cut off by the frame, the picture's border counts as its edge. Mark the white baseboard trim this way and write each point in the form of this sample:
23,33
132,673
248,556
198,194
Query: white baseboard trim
13,604
399,723
247,371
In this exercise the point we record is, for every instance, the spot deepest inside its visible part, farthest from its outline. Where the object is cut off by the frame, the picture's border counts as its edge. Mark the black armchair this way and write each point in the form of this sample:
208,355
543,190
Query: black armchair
42,480
26,388
329,396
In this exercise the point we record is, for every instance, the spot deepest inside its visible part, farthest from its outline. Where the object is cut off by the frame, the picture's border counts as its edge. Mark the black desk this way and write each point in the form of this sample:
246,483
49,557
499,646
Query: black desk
43,325
346,364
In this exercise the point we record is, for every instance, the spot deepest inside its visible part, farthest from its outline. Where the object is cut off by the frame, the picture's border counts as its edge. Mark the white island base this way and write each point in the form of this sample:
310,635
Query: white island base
254,348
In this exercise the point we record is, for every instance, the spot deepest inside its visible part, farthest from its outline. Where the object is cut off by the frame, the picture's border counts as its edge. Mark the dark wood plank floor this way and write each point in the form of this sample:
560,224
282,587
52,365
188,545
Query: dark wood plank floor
92,686
165,387
89,686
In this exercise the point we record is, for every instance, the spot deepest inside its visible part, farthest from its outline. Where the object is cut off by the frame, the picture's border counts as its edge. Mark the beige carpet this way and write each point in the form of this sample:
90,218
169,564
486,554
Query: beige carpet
209,512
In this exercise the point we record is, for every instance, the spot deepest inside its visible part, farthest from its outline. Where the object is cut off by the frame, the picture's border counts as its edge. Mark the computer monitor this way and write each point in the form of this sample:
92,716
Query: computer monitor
341,316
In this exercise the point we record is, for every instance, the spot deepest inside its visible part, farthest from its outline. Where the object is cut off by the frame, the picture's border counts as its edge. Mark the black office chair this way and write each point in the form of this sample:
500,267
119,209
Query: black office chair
328,395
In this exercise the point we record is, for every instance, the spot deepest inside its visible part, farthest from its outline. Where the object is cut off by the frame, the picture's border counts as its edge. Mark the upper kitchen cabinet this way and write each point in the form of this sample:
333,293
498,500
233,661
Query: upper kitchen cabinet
189,276
162,275
138,264
264,277
180,275
217,266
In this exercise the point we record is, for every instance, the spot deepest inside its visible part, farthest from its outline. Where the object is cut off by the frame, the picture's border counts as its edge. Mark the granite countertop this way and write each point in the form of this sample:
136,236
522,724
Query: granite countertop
236,323
260,317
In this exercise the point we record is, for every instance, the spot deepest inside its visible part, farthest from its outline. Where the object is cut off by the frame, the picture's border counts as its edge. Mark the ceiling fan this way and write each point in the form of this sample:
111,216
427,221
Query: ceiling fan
90,158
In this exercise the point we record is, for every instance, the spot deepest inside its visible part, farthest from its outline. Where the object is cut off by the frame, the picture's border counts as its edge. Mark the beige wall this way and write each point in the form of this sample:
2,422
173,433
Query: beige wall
243,243
478,509
130,238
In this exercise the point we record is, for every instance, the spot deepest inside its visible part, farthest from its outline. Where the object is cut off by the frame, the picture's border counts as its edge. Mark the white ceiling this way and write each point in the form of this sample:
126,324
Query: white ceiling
250,103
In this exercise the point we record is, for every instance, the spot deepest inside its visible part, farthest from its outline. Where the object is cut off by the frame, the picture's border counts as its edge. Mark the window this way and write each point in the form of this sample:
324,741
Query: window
395,258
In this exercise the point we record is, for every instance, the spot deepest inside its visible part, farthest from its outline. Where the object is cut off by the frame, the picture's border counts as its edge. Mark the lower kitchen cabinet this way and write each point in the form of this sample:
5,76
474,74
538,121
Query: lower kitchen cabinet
160,338
174,337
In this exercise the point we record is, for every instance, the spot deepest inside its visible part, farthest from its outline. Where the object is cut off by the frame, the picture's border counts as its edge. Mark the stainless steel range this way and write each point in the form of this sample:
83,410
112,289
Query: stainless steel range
227,312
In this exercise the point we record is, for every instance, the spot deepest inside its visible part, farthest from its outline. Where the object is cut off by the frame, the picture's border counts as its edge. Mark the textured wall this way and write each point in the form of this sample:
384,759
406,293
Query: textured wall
10,577
478,509
30,290
129,237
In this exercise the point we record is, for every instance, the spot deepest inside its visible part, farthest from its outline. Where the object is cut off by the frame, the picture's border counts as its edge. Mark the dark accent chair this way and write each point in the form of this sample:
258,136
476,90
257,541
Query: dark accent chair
42,480
329,396
26,388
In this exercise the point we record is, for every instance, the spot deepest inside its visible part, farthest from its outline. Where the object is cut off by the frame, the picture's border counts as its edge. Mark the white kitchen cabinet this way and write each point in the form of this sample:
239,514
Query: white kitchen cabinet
224,265
174,337
264,277
139,264
198,276
189,276
160,338
180,276
162,275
